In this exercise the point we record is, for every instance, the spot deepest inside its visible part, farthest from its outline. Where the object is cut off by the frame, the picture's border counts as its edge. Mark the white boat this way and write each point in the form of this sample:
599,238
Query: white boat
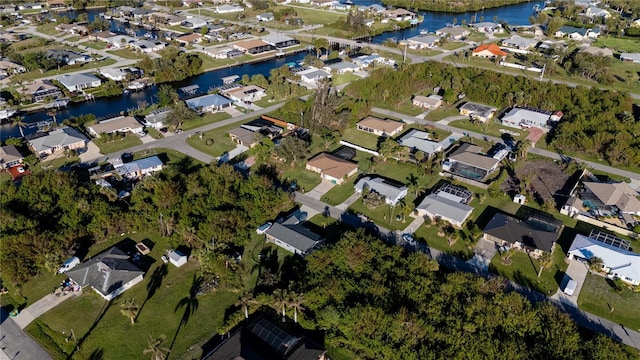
424,32
280,53
136,85
7,113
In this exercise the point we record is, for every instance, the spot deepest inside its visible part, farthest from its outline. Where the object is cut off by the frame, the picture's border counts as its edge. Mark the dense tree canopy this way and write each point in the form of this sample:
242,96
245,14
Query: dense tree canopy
380,303
595,122
458,6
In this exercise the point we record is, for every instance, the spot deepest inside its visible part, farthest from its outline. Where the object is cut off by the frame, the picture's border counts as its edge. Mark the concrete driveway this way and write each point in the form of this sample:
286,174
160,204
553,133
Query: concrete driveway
320,190
577,271
91,153
484,251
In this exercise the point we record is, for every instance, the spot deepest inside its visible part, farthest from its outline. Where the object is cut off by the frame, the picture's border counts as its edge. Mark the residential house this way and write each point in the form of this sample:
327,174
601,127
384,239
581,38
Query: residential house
390,189
244,137
520,43
39,90
616,258
519,117
380,127
573,33
119,41
189,39
594,33
366,60
436,207
209,103
423,42
430,102
468,161
175,20
490,51
293,237
321,3
193,22
190,3
224,52
120,124
264,339
109,273
10,156
79,81
535,235
340,6
253,46
631,57
399,15
453,32
486,27
312,75
140,168
115,74
226,9
280,41
56,4
478,112
156,118
147,46
8,68
30,6
332,168
64,138
418,140
68,57
75,28
586,3
596,12
373,8
609,198
598,51
265,17
342,67
246,94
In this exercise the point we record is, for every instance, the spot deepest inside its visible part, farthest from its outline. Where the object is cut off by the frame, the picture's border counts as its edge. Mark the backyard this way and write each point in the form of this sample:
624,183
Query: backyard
361,138
599,297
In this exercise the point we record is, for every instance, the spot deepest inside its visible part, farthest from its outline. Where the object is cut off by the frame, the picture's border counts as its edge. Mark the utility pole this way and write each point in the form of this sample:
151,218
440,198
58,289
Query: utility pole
302,119
542,72
404,57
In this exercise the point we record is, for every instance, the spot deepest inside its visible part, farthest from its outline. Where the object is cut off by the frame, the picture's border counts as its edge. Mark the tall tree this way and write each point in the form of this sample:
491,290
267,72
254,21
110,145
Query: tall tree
295,301
544,261
20,123
129,308
155,348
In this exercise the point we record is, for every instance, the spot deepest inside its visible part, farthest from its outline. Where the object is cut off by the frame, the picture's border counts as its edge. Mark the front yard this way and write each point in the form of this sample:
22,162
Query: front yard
599,297
429,235
491,128
339,193
361,138
213,142
205,119
383,215
108,146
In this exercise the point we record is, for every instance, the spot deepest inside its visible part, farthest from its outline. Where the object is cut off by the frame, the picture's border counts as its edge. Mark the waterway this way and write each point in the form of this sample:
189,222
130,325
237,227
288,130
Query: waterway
513,15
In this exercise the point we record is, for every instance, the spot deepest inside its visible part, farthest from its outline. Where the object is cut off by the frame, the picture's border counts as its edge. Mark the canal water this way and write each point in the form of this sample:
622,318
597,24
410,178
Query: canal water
513,15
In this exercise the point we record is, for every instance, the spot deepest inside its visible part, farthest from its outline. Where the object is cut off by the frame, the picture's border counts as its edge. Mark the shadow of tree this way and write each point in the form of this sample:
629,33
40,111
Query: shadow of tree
154,284
190,305
105,308
97,354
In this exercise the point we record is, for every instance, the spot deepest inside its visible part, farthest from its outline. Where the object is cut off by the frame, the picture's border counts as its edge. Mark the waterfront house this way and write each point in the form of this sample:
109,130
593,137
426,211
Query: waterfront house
224,52
617,260
399,15
630,57
418,140
430,102
535,235
596,12
380,127
115,74
520,43
312,75
75,28
478,112
468,161
453,32
487,27
342,67
30,6
64,138
56,4
332,168
321,3
10,156
573,33
39,90
209,103
253,46
247,94
79,81
156,118
280,41
147,46
109,273
120,124
390,189
490,51
423,42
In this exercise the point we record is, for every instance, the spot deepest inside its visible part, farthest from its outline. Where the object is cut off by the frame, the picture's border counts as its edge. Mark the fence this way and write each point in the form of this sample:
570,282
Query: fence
465,180
606,226
358,147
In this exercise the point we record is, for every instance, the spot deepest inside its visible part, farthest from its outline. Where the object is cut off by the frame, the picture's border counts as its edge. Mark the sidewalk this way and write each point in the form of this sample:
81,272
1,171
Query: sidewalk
26,316
345,204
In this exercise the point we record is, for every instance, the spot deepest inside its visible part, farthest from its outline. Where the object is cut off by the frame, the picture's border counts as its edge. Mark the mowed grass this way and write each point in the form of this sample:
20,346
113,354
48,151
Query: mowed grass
619,44
524,270
221,141
204,120
339,193
126,142
305,179
492,128
599,297
429,235
101,328
383,215
361,138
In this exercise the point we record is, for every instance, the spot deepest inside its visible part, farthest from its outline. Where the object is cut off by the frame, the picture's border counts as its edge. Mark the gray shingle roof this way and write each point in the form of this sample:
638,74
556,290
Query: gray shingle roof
514,230
445,208
58,138
297,236
207,101
72,80
420,140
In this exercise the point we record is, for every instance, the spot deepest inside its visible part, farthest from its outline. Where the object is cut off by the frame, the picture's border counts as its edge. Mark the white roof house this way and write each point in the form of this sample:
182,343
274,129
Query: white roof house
225,9
342,67
616,261
519,42
420,140
115,74
392,191
597,12
632,57
521,117
120,124
422,42
76,82
440,207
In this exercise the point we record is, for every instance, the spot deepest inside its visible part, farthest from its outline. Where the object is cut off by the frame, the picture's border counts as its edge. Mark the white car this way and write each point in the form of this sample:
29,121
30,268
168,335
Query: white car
69,264
408,238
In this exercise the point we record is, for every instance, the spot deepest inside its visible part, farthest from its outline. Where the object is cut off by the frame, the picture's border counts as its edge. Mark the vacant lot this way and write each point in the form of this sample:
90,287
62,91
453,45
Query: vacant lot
598,297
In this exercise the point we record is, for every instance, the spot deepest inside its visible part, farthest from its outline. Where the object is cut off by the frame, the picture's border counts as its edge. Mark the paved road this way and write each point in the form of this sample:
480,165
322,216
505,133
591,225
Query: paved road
541,152
587,320
15,343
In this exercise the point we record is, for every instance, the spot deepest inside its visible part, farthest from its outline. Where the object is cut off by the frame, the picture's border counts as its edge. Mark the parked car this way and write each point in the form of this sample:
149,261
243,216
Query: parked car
408,238
69,264
570,288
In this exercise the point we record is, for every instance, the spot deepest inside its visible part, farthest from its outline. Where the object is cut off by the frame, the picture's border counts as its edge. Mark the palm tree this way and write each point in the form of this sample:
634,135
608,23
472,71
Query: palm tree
157,351
595,264
522,148
280,301
245,301
545,260
405,207
20,123
52,112
295,301
130,309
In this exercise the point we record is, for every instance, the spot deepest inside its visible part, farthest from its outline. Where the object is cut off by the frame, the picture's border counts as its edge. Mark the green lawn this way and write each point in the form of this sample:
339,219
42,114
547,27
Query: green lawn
125,53
598,297
103,329
361,138
406,107
154,133
221,141
205,119
305,179
477,37
128,141
443,112
429,235
339,79
524,270
49,29
453,45
168,156
492,129
339,193
31,291
59,162
383,215
209,63
97,45
619,44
